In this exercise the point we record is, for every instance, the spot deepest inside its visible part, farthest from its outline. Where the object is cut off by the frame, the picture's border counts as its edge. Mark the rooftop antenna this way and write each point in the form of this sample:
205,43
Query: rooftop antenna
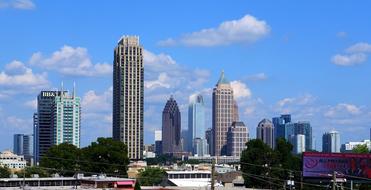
74,89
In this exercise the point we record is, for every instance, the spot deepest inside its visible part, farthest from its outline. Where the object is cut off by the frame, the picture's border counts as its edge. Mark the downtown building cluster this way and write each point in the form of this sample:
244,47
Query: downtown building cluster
58,119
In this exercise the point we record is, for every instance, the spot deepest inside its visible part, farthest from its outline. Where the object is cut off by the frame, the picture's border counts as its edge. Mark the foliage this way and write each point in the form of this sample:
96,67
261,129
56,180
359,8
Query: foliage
62,159
137,186
361,148
106,156
28,171
151,176
161,160
4,172
260,164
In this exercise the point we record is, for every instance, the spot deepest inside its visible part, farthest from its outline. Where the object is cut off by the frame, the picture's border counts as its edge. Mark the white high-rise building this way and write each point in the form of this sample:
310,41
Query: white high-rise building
298,142
128,86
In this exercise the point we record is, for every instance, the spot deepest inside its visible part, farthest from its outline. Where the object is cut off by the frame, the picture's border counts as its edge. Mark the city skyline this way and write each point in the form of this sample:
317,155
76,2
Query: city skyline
287,66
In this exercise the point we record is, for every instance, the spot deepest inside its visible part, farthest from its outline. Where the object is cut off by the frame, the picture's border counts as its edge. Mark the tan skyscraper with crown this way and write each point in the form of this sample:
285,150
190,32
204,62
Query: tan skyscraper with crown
127,116
224,114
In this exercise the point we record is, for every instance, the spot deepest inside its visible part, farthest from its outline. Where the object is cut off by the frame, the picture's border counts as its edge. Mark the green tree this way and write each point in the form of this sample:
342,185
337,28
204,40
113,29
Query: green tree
361,148
4,172
137,186
256,160
151,176
62,159
28,171
106,156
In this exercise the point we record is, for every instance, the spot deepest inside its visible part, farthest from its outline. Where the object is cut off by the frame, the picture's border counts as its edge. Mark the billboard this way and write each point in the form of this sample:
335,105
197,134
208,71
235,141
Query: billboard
322,165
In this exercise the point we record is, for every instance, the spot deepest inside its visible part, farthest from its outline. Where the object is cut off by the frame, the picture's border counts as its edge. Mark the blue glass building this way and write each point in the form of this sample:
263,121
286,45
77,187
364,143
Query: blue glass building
196,121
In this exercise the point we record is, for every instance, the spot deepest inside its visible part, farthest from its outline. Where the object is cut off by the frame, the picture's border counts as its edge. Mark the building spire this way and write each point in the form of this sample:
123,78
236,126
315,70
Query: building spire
222,79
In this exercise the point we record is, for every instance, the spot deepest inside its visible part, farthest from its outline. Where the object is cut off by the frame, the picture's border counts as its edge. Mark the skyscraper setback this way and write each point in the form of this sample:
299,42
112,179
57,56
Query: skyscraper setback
58,120
224,114
128,83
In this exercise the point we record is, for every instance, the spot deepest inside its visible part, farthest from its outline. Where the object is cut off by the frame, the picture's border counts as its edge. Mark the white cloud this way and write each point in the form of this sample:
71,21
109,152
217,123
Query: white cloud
240,90
355,54
360,47
71,61
17,4
343,110
93,102
258,77
18,78
341,34
161,82
31,103
246,30
349,60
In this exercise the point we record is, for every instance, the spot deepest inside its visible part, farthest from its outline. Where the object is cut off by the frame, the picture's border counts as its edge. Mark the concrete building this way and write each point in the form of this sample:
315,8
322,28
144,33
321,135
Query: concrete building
237,136
58,120
348,147
265,132
196,124
331,142
224,113
302,128
128,86
12,161
298,142
23,145
171,127
200,147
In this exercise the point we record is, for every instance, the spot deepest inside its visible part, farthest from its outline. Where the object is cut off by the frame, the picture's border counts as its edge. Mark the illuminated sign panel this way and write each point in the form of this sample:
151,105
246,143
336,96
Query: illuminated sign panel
322,165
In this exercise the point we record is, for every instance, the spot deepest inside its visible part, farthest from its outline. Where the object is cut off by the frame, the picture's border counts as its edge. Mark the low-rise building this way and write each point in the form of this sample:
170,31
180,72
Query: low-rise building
12,161
349,146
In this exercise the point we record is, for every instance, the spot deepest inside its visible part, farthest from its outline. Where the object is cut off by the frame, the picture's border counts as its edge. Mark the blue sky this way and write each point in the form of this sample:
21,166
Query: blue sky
304,58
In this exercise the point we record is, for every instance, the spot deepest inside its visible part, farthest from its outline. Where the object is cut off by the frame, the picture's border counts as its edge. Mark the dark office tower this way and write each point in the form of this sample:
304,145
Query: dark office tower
127,116
224,112
209,139
265,132
302,128
279,125
171,126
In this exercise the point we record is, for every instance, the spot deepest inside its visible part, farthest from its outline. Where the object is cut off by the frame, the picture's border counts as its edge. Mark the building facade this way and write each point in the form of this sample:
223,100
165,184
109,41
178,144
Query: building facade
128,86
279,125
209,139
158,142
58,120
23,145
302,128
12,161
298,143
196,123
331,142
237,136
171,127
265,132
200,147
223,114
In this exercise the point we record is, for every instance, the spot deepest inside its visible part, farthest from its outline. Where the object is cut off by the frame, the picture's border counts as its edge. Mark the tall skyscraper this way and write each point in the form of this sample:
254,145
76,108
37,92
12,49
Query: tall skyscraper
303,128
23,145
171,127
128,81
279,125
265,132
237,136
223,114
58,120
196,121
331,142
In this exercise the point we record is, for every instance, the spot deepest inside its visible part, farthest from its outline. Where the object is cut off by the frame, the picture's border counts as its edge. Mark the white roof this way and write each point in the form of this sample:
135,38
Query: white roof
200,182
189,172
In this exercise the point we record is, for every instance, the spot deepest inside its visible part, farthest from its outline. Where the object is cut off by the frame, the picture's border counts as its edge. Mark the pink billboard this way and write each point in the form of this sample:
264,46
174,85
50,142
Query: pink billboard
322,165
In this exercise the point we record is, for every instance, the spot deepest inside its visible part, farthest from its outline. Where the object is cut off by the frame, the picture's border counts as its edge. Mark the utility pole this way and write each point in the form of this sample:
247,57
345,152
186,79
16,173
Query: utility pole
301,180
334,180
213,175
